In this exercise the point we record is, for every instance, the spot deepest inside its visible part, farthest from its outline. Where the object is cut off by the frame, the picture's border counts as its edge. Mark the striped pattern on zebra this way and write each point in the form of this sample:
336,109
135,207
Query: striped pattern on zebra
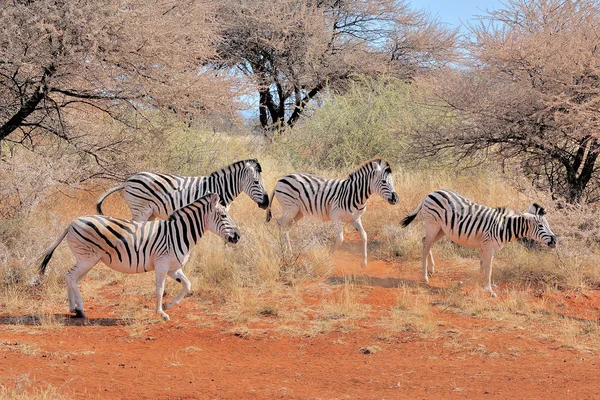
151,195
446,213
337,200
133,247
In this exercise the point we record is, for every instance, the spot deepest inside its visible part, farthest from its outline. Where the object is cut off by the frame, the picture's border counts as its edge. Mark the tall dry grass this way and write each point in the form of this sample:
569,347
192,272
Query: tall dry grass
37,214
259,260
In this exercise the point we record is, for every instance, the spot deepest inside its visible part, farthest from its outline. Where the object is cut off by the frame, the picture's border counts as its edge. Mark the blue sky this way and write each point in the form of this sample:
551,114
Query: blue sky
457,12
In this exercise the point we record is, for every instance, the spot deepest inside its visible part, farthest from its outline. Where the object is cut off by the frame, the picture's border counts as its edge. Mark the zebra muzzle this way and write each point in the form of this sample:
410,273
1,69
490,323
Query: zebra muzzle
394,198
234,237
265,202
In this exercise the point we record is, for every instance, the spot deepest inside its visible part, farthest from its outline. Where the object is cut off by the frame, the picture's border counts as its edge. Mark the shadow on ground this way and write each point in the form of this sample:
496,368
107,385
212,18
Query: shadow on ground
61,319
367,280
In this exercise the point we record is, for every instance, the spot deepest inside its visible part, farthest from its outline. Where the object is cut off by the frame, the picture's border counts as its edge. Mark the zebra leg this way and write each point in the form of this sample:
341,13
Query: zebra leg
339,230
487,256
358,225
285,223
160,273
72,276
431,235
181,278
430,259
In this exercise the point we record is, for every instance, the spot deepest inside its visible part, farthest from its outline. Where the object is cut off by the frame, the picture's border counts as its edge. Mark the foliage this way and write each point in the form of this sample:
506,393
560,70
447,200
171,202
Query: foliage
530,95
291,51
66,61
370,120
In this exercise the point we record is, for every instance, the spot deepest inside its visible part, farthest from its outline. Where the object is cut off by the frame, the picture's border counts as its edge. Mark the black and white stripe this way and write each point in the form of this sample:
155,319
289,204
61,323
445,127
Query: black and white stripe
446,213
151,195
134,247
335,200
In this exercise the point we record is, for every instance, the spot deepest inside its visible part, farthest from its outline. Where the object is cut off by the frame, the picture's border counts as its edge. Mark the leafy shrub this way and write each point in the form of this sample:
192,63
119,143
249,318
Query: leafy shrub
370,120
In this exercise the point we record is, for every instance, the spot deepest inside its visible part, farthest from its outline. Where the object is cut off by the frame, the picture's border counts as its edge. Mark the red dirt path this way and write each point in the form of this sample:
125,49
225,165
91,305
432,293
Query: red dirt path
466,358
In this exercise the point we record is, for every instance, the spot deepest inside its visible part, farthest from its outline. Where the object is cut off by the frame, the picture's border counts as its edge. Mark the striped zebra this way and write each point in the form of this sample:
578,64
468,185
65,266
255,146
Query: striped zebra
337,200
133,247
150,195
469,224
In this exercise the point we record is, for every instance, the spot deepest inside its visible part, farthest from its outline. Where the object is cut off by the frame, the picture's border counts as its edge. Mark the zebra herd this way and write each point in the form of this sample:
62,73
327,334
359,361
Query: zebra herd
185,207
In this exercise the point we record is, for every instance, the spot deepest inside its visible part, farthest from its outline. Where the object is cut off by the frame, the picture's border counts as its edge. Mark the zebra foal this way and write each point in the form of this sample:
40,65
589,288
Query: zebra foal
337,200
133,247
446,213
151,195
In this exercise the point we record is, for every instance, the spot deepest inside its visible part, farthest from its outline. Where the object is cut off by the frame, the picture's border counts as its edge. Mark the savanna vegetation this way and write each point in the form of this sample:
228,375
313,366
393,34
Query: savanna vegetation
505,114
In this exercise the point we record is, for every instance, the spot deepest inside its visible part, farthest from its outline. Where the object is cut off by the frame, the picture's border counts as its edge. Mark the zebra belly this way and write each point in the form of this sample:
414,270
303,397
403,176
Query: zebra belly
473,241
127,268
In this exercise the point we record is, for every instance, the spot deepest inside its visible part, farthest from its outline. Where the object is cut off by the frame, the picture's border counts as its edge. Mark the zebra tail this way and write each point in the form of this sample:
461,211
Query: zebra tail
269,213
48,255
410,217
104,196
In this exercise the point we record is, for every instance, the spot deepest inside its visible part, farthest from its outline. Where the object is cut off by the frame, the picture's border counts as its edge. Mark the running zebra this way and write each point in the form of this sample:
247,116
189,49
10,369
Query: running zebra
469,224
337,200
133,247
150,195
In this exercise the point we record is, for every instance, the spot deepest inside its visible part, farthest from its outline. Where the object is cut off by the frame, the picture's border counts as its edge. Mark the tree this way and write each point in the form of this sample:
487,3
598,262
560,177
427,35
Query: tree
292,50
530,94
61,57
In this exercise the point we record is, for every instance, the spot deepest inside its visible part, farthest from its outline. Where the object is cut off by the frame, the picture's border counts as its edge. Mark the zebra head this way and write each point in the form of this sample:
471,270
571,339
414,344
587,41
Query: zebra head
538,225
219,222
252,183
383,181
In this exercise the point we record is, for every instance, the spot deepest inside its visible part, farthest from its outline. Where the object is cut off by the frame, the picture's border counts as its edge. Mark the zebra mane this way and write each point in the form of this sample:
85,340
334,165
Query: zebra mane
367,166
239,164
204,200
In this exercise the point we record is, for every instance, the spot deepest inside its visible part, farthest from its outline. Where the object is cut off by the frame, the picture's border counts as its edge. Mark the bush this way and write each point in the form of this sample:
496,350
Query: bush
368,121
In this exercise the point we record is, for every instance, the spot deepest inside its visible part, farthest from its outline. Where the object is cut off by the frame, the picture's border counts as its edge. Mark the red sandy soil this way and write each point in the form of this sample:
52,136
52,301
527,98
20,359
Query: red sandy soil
182,359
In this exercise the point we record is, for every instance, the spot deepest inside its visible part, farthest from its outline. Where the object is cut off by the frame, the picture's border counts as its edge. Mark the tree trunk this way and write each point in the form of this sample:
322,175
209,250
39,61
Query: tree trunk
28,107
576,183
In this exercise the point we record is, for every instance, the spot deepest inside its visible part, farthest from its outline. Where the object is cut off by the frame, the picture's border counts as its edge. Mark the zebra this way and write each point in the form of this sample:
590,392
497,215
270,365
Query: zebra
151,195
446,213
337,200
134,247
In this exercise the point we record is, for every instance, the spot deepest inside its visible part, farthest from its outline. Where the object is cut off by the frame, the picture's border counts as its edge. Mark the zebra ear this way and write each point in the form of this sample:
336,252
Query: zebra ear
536,209
258,167
214,199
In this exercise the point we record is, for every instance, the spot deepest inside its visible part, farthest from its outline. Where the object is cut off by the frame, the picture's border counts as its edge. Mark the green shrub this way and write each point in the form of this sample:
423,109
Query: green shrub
370,120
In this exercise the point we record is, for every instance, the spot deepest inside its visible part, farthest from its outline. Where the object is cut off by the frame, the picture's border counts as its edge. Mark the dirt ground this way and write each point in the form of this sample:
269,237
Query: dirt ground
200,354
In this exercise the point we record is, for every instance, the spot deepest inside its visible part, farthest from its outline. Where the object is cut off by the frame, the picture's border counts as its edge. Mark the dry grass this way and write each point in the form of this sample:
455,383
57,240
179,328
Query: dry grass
344,304
518,311
258,281
412,312
25,388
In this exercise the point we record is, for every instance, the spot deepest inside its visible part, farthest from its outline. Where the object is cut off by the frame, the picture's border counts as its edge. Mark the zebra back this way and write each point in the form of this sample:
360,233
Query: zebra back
149,193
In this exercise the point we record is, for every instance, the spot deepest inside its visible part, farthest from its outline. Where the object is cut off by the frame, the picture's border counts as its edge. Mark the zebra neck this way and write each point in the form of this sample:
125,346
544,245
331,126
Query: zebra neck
226,183
186,227
514,227
358,191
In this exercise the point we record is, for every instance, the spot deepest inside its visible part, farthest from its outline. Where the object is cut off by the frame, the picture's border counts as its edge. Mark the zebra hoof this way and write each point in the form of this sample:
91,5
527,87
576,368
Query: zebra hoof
165,316
167,305
79,314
